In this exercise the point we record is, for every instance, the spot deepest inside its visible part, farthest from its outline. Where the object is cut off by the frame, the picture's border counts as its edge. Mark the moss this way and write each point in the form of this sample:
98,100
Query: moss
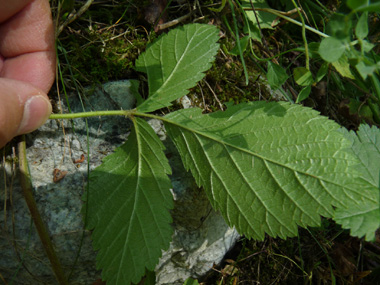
227,80
105,46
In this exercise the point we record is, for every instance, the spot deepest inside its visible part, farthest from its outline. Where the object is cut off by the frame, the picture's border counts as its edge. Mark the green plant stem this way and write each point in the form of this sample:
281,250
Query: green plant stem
238,43
91,114
281,15
27,189
307,65
126,113
292,261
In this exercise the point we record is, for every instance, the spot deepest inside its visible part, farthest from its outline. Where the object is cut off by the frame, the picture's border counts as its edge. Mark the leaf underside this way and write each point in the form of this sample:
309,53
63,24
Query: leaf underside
128,207
363,219
176,62
265,19
267,167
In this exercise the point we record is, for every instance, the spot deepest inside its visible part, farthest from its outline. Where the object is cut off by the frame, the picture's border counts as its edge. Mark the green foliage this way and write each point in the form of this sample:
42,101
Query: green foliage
99,63
364,219
331,49
303,76
276,75
345,46
98,49
268,167
304,93
176,62
128,207
191,281
265,18
363,5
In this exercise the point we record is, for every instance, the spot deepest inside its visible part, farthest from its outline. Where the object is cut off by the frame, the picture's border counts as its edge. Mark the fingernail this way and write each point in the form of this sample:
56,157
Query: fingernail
37,110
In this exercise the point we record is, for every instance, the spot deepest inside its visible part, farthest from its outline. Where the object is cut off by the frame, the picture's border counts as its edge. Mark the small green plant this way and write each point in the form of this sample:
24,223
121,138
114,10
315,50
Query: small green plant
345,54
267,167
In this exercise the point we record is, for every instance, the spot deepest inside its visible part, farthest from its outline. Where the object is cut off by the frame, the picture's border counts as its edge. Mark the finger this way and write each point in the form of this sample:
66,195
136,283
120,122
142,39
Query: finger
27,45
35,68
30,30
23,109
8,10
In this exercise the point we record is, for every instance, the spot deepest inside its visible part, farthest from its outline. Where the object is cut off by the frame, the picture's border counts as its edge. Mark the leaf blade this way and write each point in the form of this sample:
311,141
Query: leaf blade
331,49
267,167
276,75
129,202
363,219
172,71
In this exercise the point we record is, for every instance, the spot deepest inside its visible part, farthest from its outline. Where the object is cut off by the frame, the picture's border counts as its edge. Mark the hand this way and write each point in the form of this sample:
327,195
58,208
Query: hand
27,66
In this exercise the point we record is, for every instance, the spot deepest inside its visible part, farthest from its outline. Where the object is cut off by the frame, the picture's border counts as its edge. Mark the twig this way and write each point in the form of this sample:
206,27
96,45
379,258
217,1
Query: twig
259,26
216,97
41,229
166,25
73,17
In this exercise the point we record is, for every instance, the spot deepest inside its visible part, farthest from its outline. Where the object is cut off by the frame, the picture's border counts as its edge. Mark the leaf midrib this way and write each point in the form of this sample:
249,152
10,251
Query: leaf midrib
259,156
174,71
119,272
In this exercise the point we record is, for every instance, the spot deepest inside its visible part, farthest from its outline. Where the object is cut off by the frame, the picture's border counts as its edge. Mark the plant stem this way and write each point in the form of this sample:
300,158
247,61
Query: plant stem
41,229
279,14
73,17
91,114
238,43
126,113
303,36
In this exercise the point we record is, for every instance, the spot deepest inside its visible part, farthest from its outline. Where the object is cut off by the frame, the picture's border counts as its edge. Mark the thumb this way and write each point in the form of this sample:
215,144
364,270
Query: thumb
23,108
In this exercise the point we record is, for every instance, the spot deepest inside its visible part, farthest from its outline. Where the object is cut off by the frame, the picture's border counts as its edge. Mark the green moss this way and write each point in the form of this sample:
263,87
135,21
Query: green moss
103,59
227,81
104,44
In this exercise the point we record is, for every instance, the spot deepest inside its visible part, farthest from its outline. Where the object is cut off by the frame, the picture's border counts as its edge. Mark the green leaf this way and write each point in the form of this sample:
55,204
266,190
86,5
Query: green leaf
366,46
243,43
268,167
340,27
365,70
176,62
128,207
361,29
303,76
364,218
322,72
276,75
265,19
304,94
191,281
353,4
331,49
363,5
343,67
